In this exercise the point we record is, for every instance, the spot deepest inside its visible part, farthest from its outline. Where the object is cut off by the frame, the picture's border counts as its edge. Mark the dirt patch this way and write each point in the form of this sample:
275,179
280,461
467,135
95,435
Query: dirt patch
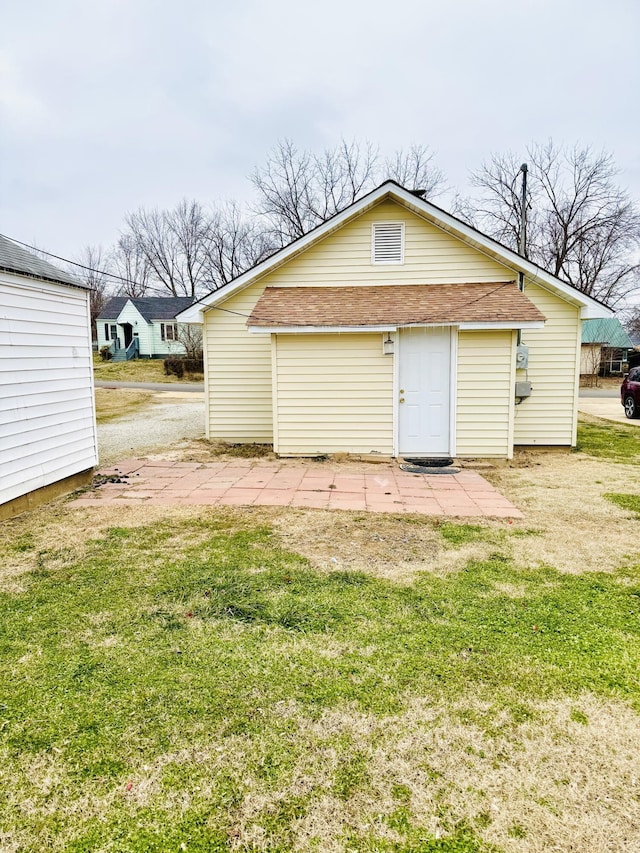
608,382
205,450
386,546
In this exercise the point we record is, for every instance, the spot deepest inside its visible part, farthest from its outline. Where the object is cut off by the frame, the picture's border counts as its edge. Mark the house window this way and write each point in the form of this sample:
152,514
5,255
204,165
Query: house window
169,331
387,243
106,331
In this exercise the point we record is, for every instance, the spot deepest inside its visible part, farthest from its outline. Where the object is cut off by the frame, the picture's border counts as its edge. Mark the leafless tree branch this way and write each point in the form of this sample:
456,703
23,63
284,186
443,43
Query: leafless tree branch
298,190
582,226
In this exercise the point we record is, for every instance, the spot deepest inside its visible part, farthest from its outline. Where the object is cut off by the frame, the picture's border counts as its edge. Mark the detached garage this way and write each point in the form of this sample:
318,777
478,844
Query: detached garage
394,329
48,442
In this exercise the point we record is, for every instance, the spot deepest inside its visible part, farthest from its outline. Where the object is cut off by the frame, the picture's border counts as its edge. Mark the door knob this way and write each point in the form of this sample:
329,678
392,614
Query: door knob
402,399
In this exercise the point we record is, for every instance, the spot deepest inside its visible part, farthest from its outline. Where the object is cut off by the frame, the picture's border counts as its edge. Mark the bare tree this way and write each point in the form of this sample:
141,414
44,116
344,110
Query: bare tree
91,269
415,169
340,176
233,244
190,336
590,360
297,189
130,263
631,321
285,190
581,225
172,243
497,209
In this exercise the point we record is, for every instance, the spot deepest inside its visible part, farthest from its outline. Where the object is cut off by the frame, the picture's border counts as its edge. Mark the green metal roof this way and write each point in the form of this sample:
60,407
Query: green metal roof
608,332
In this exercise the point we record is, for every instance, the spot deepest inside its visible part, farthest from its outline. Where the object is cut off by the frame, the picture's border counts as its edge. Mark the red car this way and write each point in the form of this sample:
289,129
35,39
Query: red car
630,393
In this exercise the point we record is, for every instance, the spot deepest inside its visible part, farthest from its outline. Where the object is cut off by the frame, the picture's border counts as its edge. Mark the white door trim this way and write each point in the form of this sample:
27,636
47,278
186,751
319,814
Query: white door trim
453,385
396,391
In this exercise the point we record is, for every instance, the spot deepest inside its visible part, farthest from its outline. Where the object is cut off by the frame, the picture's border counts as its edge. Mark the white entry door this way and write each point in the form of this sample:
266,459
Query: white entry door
425,392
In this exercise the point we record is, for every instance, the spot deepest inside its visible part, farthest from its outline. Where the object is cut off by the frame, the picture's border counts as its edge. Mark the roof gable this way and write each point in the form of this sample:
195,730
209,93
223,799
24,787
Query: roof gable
112,308
425,210
346,256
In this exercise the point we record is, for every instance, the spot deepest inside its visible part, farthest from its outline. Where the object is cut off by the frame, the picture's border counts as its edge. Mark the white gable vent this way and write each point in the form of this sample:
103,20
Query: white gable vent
387,243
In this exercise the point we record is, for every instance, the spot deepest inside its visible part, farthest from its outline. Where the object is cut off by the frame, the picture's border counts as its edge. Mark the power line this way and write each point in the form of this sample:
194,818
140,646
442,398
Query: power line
214,307
101,272
68,261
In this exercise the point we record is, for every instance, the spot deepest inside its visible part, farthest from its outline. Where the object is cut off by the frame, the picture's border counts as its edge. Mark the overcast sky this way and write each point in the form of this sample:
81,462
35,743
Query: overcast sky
107,105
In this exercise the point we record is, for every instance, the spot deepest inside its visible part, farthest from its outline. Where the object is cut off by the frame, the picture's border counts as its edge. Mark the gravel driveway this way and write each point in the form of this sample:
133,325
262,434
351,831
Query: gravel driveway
169,420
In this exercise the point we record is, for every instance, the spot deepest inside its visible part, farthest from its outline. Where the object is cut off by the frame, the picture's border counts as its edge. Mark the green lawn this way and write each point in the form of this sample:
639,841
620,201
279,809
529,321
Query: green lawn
190,685
180,680
609,440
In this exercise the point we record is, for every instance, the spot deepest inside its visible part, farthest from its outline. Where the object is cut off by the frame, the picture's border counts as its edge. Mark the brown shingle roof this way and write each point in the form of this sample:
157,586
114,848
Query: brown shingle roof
397,305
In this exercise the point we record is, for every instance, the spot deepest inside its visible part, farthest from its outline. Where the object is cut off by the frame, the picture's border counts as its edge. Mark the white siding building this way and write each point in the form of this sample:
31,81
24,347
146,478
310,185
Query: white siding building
142,327
48,442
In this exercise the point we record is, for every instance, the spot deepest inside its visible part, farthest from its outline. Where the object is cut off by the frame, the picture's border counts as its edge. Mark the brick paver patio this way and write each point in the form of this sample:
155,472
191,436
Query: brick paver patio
299,483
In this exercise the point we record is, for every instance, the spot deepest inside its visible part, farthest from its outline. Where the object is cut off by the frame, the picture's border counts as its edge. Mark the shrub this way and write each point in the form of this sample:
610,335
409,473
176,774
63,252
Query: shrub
105,352
180,366
174,365
193,365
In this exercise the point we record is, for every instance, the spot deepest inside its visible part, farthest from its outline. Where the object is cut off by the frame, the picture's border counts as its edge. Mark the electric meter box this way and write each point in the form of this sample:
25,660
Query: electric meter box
522,357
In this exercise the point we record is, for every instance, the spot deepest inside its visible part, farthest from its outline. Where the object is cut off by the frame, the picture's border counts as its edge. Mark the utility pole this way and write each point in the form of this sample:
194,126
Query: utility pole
522,238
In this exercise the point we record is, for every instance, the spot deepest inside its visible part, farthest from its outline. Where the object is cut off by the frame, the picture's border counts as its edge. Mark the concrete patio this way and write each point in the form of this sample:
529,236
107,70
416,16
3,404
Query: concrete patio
363,487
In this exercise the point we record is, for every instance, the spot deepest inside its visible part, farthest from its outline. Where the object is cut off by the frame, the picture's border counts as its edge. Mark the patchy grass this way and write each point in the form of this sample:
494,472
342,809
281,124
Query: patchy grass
188,683
112,403
628,502
608,440
461,534
138,370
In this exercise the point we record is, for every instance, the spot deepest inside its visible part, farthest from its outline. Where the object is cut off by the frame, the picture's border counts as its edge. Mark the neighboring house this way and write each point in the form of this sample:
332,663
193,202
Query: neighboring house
605,347
394,329
47,418
144,327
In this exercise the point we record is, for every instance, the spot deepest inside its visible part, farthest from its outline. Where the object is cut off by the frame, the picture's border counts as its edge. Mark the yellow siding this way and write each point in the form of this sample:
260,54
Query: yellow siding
238,373
431,257
486,368
239,377
548,416
334,394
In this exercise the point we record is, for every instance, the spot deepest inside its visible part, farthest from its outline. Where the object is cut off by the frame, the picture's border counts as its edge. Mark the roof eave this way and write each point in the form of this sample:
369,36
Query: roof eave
393,327
50,278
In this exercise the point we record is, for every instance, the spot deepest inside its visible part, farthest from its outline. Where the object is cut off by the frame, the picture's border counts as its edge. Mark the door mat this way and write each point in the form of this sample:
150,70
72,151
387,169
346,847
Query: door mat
424,469
429,462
